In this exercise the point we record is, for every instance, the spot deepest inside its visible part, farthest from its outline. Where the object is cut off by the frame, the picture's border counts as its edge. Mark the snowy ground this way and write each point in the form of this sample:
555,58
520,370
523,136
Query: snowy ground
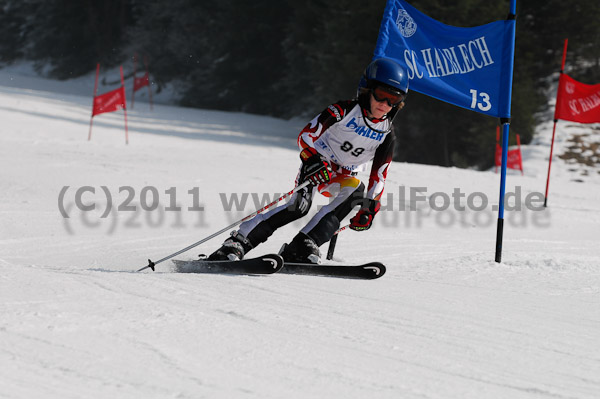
446,321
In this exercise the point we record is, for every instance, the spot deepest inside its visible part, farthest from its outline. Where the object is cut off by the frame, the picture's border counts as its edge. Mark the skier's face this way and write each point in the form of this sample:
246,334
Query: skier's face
379,109
392,97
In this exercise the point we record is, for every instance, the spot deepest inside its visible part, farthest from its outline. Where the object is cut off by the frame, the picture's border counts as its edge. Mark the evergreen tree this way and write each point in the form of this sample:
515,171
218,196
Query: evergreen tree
327,48
290,58
14,21
69,37
179,39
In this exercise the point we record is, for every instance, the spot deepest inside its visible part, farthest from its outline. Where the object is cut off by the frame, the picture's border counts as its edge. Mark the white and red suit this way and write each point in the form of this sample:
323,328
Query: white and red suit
347,140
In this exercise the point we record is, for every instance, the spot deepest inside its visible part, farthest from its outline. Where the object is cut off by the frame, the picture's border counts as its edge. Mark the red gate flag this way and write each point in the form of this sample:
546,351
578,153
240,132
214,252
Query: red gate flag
140,82
109,102
576,101
143,81
514,158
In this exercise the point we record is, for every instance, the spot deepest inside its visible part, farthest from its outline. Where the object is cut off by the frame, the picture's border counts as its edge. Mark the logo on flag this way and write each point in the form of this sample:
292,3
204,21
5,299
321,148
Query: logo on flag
406,25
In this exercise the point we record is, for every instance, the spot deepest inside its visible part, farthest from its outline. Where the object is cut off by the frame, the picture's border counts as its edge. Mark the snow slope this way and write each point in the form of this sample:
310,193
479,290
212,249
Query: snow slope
446,321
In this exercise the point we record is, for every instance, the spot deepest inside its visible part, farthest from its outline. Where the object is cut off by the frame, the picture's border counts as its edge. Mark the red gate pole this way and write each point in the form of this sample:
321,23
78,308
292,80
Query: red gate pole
520,154
93,99
124,105
149,89
550,164
133,87
562,70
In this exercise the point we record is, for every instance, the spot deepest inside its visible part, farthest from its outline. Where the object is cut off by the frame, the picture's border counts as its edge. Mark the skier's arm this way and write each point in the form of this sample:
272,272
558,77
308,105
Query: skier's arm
383,158
315,128
381,162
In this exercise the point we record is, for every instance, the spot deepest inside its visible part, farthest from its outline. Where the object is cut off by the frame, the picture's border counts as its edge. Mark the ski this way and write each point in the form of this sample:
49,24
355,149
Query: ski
266,264
367,271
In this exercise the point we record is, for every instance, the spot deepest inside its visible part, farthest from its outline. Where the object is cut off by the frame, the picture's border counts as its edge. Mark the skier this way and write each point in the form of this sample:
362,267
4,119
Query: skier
334,146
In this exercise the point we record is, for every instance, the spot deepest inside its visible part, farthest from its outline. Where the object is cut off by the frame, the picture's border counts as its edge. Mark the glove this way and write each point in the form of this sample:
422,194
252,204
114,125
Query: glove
314,168
364,217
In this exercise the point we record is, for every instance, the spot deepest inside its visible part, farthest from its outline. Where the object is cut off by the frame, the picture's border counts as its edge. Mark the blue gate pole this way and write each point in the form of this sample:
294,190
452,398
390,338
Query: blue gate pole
505,121
500,227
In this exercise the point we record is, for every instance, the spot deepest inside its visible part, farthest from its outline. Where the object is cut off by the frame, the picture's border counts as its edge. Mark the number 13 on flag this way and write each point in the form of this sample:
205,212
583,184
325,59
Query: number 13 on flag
480,100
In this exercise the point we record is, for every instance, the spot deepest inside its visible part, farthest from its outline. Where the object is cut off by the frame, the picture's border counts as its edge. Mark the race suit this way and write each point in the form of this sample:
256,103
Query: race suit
342,138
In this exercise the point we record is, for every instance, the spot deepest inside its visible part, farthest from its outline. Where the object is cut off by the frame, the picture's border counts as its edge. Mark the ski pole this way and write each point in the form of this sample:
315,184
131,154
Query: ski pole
333,241
151,264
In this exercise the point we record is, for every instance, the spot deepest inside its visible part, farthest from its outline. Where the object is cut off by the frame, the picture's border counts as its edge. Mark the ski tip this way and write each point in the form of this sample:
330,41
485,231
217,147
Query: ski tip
367,271
275,260
377,269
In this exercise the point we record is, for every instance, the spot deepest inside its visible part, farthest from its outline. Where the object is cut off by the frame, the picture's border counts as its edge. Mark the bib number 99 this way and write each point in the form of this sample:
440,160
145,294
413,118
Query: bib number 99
347,147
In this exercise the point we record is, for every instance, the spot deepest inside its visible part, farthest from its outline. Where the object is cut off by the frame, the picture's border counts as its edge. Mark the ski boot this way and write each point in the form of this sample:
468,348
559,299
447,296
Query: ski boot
234,248
302,249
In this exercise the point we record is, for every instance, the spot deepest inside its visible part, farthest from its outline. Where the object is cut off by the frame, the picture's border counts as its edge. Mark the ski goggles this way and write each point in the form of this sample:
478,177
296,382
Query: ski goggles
392,98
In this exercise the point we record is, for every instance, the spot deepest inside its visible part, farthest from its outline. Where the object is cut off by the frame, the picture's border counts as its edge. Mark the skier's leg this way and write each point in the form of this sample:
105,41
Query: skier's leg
348,192
258,229
327,221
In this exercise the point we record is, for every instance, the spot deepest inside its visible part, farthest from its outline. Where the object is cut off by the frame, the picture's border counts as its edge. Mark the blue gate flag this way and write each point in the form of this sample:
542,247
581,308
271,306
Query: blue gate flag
468,67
